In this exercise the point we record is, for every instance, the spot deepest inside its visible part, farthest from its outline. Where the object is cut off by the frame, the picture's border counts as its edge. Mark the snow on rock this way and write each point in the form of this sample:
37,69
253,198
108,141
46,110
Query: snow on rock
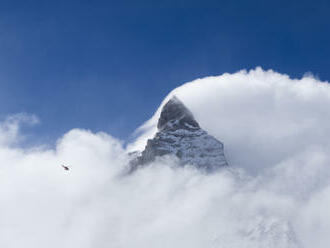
180,135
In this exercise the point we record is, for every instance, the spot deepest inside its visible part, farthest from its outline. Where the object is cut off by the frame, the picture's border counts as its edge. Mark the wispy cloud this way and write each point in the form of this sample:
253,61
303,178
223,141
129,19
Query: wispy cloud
10,127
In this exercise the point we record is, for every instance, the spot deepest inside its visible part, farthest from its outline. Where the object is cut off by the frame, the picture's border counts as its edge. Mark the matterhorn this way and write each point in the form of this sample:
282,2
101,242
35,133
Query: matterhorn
180,135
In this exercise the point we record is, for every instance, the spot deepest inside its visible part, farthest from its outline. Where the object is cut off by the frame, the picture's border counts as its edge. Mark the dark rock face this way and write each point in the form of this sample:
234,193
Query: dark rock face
175,115
180,135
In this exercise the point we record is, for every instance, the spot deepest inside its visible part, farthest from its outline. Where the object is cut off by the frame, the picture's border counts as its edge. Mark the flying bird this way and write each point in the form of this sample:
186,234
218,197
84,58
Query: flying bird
65,167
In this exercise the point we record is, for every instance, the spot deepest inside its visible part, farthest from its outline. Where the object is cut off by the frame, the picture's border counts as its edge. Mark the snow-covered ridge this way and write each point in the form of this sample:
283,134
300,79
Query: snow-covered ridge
179,134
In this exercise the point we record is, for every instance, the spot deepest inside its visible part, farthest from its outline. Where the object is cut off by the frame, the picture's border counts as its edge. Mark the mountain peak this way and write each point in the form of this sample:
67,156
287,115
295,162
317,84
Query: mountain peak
180,135
176,115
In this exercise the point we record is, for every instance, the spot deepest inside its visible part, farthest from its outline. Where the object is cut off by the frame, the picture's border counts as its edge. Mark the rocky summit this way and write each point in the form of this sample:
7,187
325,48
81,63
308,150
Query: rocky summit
180,135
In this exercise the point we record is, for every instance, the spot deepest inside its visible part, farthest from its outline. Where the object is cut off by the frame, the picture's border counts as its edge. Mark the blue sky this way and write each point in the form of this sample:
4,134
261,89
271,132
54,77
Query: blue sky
104,65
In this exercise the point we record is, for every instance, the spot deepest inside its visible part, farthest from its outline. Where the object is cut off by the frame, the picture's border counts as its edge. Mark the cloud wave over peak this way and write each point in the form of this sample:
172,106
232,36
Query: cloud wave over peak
276,193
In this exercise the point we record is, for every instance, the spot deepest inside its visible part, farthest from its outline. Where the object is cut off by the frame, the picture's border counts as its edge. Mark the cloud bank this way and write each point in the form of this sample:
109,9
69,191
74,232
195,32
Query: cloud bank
277,194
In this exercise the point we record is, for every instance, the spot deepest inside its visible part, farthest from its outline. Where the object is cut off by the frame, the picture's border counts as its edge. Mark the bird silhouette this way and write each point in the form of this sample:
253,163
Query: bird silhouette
65,167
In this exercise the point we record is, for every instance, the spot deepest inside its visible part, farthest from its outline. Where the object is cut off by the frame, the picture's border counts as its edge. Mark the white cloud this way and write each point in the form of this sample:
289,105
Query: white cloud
275,130
262,117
